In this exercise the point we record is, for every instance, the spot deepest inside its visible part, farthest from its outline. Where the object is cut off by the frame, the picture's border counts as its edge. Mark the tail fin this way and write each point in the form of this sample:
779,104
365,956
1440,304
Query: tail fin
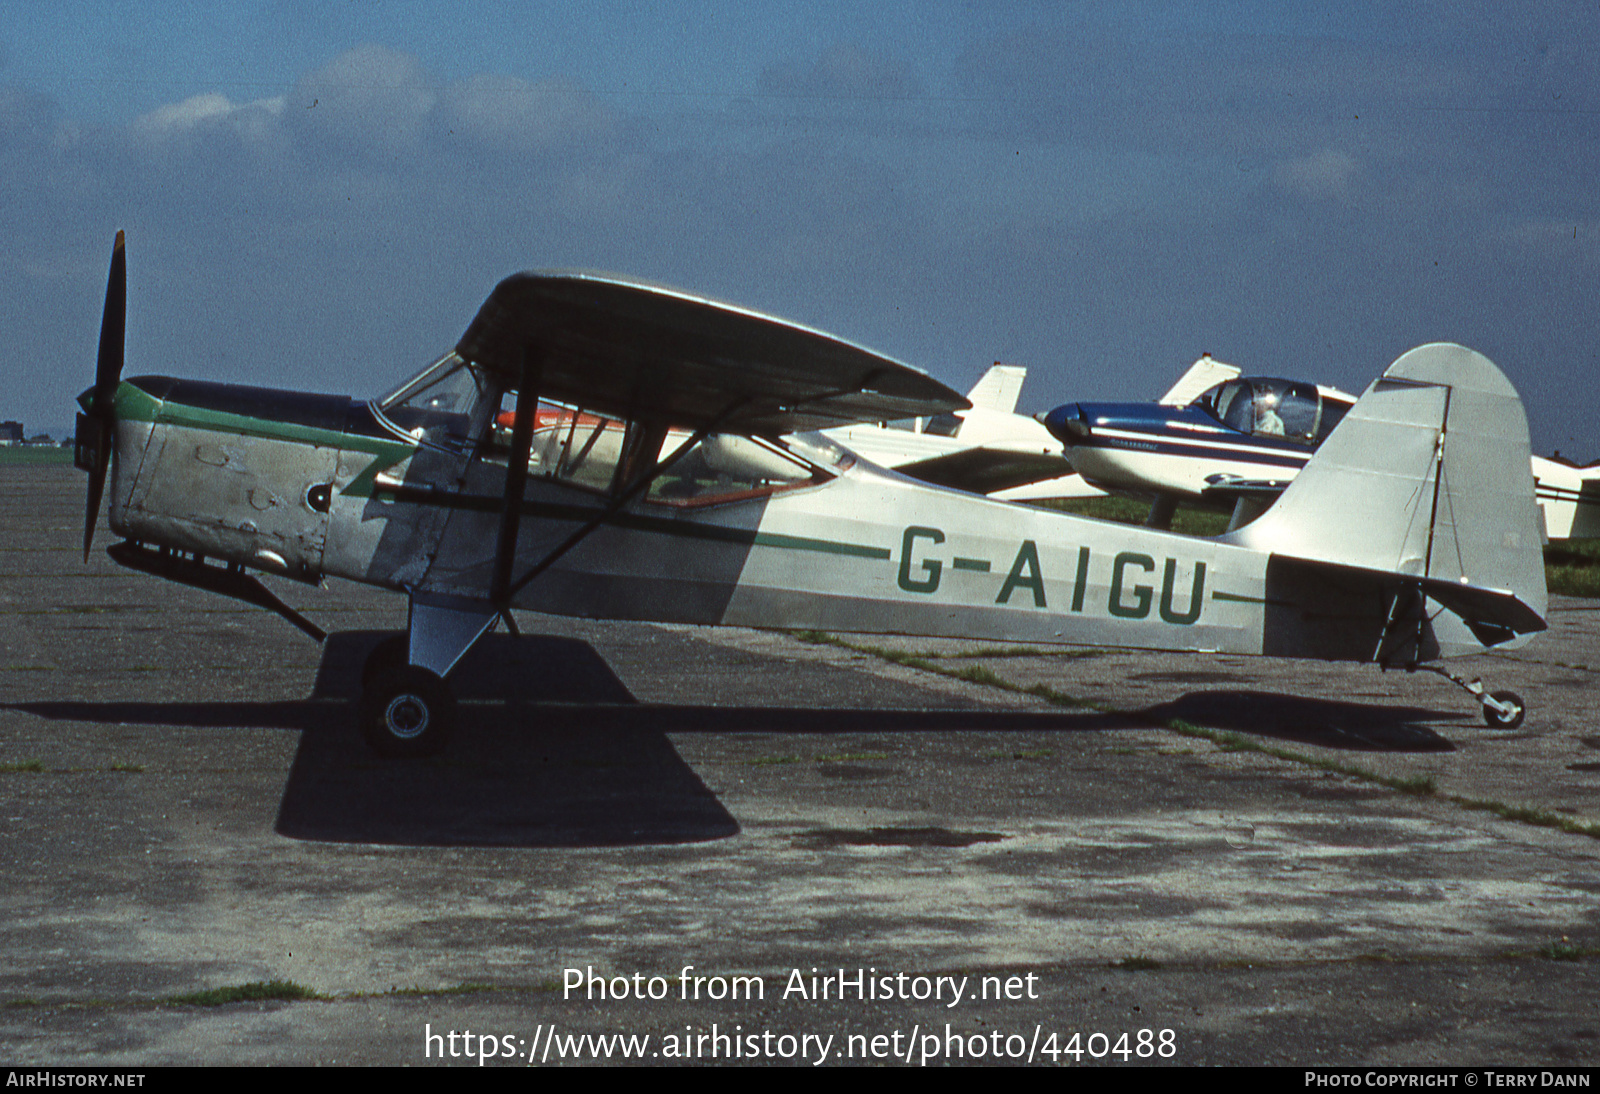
1427,478
1203,375
999,388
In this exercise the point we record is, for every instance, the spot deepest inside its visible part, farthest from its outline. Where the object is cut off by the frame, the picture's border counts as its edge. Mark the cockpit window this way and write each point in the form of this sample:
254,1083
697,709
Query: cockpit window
1264,407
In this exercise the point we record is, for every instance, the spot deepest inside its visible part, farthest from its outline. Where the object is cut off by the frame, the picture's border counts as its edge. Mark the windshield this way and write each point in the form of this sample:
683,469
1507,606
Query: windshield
445,406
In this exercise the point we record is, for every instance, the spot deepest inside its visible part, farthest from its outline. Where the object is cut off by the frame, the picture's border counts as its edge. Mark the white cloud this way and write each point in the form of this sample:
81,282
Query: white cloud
211,108
1324,175
518,115
368,99
843,72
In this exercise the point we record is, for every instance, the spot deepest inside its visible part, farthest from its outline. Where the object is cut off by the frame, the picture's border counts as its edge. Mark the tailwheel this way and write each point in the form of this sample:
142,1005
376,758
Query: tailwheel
1504,710
1501,709
407,711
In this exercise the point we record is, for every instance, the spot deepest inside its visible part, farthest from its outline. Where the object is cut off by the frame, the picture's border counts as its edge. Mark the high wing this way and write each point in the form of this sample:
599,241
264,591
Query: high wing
651,353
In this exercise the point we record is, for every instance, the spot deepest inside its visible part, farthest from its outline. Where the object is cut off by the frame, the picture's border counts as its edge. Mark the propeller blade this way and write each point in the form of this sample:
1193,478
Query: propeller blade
107,375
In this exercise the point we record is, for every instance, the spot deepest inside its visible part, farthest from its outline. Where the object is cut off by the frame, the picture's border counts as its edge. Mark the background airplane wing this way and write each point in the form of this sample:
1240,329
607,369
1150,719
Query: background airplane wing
652,353
986,470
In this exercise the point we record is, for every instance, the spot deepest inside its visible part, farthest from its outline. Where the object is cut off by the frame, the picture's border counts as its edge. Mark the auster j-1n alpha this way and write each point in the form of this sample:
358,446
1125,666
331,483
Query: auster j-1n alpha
664,461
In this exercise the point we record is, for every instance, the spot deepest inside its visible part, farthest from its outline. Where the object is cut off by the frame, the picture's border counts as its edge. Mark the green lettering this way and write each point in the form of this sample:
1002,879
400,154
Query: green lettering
1196,594
931,567
1027,559
1082,585
1142,594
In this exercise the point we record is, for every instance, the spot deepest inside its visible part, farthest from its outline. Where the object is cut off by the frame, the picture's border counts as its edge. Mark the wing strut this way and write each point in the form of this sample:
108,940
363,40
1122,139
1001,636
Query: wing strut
516,481
634,489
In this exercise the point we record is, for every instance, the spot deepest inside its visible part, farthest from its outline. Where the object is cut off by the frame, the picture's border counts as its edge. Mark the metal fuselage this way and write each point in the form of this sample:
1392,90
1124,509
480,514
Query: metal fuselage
307,485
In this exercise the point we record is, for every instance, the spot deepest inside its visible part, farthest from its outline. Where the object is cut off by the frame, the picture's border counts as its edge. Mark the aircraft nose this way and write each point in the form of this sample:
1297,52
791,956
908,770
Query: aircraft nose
1067,424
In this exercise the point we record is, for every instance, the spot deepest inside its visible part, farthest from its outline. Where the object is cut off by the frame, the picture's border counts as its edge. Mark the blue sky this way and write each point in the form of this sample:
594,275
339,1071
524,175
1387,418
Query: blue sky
319,195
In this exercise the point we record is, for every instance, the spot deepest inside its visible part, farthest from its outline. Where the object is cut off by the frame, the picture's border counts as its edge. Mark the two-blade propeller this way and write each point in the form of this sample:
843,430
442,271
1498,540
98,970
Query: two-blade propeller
101,411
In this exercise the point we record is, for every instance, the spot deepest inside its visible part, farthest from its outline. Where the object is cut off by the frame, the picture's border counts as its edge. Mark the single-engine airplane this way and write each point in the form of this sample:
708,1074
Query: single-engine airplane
1411,535
1221,440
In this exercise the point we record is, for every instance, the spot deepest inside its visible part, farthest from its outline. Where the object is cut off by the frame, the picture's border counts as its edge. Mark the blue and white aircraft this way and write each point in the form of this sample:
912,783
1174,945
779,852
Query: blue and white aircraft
1221,440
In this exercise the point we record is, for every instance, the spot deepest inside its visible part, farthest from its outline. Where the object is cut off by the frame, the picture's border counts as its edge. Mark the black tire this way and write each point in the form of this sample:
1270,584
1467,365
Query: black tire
1495,720
407,711
390,653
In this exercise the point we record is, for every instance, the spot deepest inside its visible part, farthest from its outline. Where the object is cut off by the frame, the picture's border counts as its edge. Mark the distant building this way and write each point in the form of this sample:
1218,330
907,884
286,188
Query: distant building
10,432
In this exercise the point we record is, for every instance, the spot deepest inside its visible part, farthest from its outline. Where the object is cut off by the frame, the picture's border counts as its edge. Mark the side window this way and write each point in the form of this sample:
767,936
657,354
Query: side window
584,449
568,444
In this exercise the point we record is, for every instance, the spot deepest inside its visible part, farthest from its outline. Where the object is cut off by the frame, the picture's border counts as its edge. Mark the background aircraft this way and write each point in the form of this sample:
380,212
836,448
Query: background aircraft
1225,441
418,492
988,448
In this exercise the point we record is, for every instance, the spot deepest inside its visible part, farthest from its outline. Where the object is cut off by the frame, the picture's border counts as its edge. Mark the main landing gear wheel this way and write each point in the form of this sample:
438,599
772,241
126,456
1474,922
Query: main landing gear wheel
390,653
1505,719
407,711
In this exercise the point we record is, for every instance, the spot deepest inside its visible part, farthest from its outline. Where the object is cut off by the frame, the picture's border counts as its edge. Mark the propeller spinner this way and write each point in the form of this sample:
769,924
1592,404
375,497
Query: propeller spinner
97,427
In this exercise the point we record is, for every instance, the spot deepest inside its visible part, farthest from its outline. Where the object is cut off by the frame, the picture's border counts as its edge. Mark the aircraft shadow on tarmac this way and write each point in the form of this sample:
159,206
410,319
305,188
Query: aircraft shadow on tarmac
1326,723
552,750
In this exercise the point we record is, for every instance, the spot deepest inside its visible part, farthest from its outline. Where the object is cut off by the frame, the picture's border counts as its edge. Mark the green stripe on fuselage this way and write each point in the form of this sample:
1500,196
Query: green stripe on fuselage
133,403
639,522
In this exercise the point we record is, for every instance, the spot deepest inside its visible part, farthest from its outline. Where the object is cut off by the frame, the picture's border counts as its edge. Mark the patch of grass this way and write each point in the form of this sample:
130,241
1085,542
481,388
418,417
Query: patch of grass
1563,951
1017,651
1021,754
253,992
13,455
1569,580
23,767
851,757
119,765
1581,554
1138,963
1187,521
468,988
